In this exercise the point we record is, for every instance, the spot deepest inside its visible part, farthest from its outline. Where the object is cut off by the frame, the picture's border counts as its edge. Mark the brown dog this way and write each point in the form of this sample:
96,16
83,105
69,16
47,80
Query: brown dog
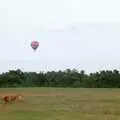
12,98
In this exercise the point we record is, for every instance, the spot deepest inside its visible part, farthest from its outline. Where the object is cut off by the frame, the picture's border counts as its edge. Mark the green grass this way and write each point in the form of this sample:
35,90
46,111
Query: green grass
63,104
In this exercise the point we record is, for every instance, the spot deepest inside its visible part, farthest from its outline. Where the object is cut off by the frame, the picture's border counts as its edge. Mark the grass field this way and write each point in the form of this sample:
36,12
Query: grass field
63,104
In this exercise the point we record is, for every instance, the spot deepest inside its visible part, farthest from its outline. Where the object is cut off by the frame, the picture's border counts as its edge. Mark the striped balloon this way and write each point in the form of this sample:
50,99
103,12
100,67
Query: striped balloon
34,44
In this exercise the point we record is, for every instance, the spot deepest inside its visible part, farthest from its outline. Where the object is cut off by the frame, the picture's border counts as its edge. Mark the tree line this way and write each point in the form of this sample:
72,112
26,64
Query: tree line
66,78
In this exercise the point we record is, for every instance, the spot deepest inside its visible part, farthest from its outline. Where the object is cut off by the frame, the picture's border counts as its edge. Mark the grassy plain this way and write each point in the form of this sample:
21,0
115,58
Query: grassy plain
62,104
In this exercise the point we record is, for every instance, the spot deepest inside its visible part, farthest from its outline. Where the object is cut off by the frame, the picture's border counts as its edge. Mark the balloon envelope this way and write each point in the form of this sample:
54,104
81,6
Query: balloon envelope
34,44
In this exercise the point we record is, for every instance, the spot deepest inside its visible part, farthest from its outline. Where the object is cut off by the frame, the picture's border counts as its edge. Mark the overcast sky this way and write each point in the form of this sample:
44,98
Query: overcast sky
82,34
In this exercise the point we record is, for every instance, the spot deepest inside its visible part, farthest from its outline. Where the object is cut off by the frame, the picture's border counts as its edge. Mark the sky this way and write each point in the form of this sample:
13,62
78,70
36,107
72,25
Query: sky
81,34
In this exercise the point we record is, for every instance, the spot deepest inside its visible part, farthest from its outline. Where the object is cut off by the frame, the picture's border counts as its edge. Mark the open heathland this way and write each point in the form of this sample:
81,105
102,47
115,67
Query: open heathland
62,104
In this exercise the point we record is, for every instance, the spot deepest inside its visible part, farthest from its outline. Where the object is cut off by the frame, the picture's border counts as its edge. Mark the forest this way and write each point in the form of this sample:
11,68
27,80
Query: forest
67,78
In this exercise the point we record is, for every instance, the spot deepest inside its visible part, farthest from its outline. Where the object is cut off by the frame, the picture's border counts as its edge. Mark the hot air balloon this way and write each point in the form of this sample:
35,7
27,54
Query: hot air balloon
34,45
